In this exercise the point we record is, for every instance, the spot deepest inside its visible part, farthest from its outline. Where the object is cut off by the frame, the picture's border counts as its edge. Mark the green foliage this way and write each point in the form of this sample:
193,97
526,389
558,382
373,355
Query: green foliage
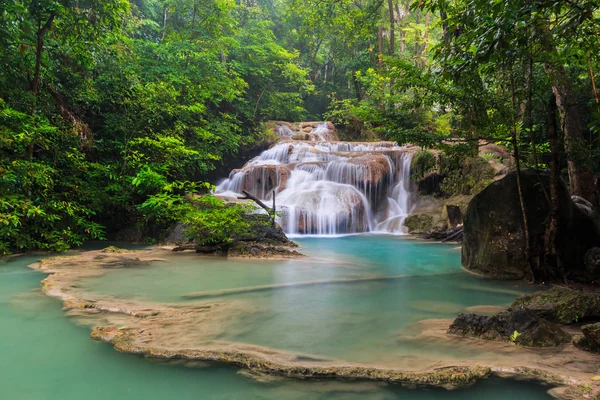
422,163
121,107
211,221
38,209
112,111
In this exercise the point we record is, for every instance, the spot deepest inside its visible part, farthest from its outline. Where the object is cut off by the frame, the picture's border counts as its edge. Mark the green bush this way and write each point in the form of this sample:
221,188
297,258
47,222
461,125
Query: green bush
211,221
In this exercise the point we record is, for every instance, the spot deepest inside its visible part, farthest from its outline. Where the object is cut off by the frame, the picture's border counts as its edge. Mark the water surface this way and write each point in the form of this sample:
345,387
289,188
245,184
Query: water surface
353,300
46,356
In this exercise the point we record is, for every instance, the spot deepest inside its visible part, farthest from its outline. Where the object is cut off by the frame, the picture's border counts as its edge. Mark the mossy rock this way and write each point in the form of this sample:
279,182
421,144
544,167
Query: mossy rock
523,327
591,332
419,223
561,305
114,249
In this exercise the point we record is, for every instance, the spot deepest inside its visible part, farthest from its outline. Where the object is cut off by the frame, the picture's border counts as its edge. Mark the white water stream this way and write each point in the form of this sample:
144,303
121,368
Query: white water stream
327,187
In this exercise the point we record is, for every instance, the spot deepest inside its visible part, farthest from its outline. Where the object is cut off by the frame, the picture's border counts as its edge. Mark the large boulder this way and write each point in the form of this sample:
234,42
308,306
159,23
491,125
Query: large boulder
520,326
493,228
561,305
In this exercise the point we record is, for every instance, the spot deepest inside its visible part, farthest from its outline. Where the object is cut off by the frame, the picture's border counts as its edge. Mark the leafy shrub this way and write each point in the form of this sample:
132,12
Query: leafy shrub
211,221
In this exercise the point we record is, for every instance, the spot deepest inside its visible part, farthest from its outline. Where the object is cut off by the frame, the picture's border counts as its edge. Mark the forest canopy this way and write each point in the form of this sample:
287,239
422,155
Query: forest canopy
112,111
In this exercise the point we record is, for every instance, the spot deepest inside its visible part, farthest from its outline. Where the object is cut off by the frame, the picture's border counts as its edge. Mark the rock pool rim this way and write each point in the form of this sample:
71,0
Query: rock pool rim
123,340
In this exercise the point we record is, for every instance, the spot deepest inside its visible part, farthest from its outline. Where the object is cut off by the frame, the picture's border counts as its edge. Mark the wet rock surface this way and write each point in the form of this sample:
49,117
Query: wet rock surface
523,327
562,305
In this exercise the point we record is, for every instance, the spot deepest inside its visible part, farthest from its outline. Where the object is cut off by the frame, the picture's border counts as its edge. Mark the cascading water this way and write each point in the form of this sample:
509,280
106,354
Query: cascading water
327,187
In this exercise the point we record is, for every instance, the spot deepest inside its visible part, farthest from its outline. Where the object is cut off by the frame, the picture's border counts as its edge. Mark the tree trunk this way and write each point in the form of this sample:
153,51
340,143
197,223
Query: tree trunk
593,82
426,43
392,32
581,179
35,83
515,141
446,32
187,54
380,46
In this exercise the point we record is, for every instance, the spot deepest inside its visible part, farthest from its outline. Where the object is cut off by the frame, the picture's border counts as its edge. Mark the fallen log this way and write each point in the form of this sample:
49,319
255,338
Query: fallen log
270,211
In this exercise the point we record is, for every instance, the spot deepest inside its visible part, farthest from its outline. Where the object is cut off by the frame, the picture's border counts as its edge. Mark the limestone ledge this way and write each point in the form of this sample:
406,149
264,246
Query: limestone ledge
446,377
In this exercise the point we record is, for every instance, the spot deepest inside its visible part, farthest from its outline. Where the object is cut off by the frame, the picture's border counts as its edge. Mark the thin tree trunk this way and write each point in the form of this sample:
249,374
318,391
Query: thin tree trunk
552,227
426,34
380,46
392,31
527,253
35,83
165,15
187,55
529,124
593,82
402,32
416,50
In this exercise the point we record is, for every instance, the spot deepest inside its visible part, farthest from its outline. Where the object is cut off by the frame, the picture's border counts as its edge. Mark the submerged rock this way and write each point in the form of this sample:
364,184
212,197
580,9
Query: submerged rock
520,326
561,305
494,236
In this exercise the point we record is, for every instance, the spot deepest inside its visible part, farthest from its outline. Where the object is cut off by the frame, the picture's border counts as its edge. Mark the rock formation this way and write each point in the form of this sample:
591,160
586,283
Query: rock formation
493,228
521,326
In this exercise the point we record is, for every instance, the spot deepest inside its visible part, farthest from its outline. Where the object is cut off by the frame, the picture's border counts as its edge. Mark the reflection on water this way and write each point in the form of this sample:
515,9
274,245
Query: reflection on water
45,356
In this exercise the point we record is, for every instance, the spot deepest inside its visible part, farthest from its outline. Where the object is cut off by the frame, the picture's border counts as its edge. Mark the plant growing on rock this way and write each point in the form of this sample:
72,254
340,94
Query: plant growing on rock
212,222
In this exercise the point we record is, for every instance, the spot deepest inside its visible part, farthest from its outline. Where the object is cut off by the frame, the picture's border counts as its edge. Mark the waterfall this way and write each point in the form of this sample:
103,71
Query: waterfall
328,187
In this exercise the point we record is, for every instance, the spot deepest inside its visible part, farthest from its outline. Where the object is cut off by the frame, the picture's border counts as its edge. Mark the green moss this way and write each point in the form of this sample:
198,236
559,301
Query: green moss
418,223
